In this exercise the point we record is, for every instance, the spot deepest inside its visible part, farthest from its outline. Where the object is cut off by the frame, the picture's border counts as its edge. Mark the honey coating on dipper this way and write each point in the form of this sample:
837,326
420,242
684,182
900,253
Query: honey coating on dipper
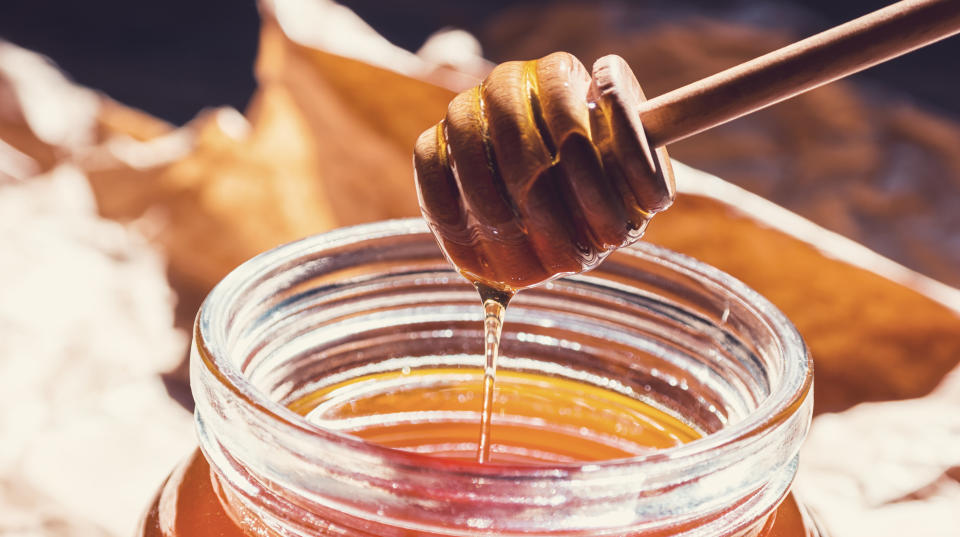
540,171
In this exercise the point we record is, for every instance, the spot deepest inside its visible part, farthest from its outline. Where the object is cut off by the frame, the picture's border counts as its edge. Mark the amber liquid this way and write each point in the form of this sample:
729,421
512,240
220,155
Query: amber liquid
494,311
481,415
535,419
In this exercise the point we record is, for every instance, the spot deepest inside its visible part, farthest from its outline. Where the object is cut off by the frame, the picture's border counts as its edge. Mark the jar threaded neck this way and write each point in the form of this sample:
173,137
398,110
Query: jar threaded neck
705,346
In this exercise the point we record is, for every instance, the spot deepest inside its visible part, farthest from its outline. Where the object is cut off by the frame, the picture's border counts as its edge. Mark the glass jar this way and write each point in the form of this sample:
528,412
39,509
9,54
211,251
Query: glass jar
649,324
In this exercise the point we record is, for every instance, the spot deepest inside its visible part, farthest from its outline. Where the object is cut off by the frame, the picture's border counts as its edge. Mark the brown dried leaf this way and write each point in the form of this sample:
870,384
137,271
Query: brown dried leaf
877,331
327,144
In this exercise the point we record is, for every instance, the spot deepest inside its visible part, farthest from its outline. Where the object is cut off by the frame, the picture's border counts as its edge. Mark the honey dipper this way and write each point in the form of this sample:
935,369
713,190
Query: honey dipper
543,169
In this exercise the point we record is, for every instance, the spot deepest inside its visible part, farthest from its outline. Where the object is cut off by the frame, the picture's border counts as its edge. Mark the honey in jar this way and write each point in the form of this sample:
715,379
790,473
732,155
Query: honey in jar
339,381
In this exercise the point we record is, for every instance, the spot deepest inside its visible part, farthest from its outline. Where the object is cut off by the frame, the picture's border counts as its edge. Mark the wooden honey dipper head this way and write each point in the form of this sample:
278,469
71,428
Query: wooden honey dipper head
540,171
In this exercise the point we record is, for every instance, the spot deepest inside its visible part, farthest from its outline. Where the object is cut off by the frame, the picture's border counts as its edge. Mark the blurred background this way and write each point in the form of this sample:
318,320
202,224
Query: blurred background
174,58
147,148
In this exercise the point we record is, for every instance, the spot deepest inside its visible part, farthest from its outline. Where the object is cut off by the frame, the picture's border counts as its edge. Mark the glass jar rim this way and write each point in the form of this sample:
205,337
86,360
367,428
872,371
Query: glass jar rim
783,401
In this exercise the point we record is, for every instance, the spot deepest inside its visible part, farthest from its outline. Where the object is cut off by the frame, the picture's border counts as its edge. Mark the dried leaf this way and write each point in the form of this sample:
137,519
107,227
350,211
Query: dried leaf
877,331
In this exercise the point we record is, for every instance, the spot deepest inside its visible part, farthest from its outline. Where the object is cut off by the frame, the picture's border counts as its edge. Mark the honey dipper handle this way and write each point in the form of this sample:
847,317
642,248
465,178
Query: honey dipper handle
794,69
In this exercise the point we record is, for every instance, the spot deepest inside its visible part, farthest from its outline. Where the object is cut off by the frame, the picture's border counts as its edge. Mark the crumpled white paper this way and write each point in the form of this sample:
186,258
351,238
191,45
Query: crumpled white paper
879,468
86,329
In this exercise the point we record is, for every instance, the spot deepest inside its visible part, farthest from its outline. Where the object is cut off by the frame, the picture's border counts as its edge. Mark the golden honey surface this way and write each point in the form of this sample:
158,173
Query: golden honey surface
537,418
